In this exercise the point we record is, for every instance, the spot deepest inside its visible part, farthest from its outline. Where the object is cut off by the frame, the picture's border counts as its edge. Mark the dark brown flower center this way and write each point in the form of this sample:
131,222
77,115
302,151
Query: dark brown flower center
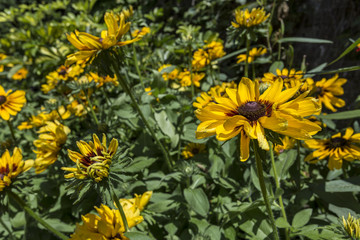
252,110
62,72
195,151
337,142
2,99
284,77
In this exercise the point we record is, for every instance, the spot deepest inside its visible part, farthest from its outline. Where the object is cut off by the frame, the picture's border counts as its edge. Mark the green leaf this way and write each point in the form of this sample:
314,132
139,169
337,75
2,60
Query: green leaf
349,49
339,70
139,164
288,160
316,69
303,40
167,127
302,218
137,236
348,185
230,55
282,223
342,115
197,200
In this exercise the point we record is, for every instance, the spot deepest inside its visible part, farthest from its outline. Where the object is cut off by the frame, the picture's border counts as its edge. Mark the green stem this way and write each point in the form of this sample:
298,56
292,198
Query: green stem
11,130
269,27
277,183
344,167
7,229
263,189
246,73
190,68
137,66
24,206
253,71
128,91
121,210
298,165
92,109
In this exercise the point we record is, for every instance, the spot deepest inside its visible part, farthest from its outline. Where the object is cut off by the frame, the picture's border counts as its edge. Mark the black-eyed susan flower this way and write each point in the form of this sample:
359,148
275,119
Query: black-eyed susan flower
248,113
12,166
52,136
101,80
166,76
108,224
217,91
287,143
253,54
11,102
203,56
200,59
246,19
40,120
89,45
94,159
352,226
20,74
186,78
327,90
215,50
191,149
336,149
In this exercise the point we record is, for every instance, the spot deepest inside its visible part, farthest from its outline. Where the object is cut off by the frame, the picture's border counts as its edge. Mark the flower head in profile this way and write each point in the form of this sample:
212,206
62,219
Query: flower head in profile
20,74
337,148
52,136
2,57
89,45
12,166
200,59
326,91
43,117
253,54
108,224
244,111
191,149
140,33
11,102
352,226
215,50
101,80
203,56
246,19
94,159
217,91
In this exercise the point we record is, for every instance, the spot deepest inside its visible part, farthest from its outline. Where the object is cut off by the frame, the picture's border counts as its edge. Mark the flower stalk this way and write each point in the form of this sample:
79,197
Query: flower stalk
121,210
92,110
26,208
260,173
128,91
277,183
246,73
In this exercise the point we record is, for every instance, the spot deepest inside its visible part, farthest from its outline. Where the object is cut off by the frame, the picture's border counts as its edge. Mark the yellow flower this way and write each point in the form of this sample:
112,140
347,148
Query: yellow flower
337,149
287,143
200,59
12,166
327,90
185,78
11,102
140,33
20,74
246,19
90,45
216,91
2,57
52,136
101,80
108,224
76,108
290,78
63,73
172,75
215,50
94,160
41,119
244,111
192,149
253,54
352,226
